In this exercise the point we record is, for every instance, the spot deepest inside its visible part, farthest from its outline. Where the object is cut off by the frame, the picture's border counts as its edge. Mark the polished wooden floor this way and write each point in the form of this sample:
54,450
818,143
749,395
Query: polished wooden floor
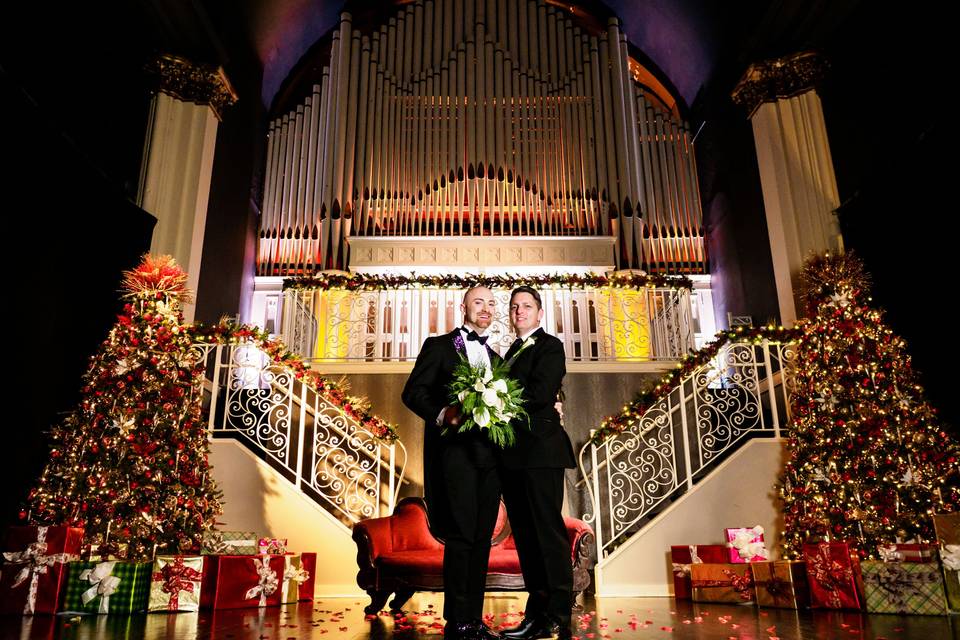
602,619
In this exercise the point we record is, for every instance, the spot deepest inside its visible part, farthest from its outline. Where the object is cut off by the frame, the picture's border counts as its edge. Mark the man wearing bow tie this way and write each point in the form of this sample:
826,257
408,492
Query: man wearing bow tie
461,485
532,474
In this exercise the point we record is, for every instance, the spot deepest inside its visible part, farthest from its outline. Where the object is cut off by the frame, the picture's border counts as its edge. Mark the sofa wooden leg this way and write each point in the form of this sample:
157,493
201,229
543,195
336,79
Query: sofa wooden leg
377,600
400,598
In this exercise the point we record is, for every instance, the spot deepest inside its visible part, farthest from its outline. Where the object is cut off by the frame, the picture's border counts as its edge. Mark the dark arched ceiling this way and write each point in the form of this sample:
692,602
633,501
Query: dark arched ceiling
678,36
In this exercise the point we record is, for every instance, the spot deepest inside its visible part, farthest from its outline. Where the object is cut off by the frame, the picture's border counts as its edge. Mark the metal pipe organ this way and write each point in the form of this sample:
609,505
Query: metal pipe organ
479,118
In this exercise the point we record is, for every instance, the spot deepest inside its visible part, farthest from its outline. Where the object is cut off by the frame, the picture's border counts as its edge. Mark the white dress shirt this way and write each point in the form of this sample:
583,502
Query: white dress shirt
477,355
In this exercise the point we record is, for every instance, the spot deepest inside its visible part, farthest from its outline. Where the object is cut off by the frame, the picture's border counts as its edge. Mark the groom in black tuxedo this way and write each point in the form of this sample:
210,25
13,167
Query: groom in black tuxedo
461,485
532,472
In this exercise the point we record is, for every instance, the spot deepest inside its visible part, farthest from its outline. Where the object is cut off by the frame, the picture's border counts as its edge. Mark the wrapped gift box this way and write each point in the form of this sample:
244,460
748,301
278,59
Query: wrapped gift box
910,552
272,546
948,535
294,574
35,567
903,587
781,584
308,561
833,572
233,543
951,575
175,583
233,582
107,587
947,526
746,545
682,556
724,582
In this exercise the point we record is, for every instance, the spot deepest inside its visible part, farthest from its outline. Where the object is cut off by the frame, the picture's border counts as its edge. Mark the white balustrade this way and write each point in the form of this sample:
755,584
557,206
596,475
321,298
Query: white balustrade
312,442
595,324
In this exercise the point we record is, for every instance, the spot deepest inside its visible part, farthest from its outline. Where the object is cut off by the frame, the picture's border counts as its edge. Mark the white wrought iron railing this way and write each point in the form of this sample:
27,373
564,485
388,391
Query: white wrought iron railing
313,443
595,324
743,392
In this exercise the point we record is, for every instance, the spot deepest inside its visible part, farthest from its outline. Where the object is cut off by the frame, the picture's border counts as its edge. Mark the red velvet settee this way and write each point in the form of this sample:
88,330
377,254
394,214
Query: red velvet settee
398,554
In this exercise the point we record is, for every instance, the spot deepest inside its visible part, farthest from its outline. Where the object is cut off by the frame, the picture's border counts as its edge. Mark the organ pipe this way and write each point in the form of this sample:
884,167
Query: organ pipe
479,117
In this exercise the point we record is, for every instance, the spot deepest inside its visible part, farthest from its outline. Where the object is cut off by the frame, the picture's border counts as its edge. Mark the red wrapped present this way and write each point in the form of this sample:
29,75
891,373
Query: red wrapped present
233,582
308,562
910,552
833,569
746,545
35,572
682,556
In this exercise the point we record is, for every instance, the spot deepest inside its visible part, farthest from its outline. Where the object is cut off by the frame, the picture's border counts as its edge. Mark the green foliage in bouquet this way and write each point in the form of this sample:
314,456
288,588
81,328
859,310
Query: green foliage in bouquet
489,399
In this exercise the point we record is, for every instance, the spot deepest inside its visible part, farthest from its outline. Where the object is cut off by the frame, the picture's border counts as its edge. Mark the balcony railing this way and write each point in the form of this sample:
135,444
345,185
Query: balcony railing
606,324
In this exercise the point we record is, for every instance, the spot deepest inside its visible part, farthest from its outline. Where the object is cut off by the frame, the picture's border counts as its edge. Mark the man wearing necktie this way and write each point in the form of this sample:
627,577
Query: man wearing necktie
532,474
461,485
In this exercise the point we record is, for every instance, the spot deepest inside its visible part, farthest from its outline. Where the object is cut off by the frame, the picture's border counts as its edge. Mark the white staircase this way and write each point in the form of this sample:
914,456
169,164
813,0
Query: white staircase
684,470
292,464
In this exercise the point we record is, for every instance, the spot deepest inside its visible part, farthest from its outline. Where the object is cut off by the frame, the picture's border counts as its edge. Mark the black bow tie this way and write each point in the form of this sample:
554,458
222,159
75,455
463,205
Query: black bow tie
473,335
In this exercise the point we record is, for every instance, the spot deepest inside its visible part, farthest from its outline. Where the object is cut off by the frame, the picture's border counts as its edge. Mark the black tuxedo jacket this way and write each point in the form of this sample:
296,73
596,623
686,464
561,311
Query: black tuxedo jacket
545,444
426,394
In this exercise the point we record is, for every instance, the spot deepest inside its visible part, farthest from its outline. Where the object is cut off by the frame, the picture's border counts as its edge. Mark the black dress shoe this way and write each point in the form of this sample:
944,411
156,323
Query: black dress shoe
459,631
483,632
531,629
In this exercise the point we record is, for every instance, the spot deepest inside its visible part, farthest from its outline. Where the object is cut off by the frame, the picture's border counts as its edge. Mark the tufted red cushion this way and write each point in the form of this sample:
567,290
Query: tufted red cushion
407,562
431,563
504,561
409,531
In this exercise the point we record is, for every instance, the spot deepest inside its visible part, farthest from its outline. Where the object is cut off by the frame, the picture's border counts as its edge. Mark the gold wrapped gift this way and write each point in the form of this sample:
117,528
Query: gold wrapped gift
781,584
726,582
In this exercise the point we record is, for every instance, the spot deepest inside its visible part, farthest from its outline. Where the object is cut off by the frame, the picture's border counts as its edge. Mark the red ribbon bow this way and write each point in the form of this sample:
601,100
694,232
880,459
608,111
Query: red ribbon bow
176,577
741,584
830,575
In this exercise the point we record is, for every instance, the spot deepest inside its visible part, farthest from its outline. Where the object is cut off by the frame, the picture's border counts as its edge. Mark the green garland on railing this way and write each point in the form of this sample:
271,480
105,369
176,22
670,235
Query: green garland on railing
632,412
368,282
231,333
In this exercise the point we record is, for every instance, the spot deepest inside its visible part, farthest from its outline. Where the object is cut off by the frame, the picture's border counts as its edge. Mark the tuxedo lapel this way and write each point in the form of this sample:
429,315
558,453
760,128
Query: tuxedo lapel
516,345
512,350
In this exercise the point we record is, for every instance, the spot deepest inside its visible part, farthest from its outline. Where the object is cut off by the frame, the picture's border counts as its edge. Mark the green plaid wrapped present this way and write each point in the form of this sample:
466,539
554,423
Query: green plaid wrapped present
951,574
107,587
903,587
230,543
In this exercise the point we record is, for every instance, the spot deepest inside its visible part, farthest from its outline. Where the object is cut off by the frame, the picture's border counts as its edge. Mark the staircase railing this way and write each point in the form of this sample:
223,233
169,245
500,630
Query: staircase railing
313,443
741,393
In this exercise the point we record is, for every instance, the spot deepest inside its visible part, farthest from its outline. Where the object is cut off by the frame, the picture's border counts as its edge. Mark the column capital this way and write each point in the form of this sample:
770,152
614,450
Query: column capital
197,83
771,80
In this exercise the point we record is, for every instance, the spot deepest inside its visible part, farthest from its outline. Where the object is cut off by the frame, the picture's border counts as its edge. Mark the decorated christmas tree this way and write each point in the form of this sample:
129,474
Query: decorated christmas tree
130,463
869,461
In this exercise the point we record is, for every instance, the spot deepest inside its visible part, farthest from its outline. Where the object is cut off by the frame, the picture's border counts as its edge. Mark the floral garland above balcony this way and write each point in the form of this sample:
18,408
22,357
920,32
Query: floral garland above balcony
367,282
354,406
632,412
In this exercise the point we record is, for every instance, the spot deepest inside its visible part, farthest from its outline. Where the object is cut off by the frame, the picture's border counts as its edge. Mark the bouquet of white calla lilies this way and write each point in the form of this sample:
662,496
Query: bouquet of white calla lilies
490,400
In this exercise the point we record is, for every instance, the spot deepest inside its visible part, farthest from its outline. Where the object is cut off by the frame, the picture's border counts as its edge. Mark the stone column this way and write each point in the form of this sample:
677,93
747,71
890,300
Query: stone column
796,169
178,158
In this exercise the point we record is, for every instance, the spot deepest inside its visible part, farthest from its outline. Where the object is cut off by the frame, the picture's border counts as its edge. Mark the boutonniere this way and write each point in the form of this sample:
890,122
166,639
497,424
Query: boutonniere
529,342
